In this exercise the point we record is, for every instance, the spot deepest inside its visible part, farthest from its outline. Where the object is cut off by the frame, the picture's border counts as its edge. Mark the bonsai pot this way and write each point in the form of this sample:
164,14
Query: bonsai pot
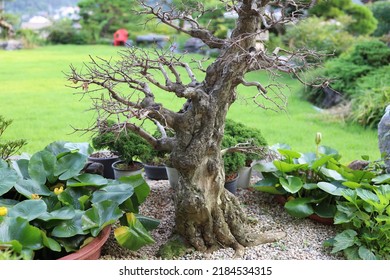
155,172
231,183
107,159
244,178
173,176
91,251
122,169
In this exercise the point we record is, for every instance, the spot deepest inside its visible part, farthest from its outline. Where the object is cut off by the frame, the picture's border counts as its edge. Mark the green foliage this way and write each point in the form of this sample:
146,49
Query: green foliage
30,38
9,148
312,183
174,248
363,21
365,215
373,53
102,18
50,206
232,160
243,134
345,71
381,11
127,144
373,95
63,32
316,34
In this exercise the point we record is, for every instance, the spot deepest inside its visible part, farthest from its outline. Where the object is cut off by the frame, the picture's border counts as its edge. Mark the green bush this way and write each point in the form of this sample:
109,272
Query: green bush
243,134
127,144
381,11
346,70
373,53
63,32
232,161
373,96
317,34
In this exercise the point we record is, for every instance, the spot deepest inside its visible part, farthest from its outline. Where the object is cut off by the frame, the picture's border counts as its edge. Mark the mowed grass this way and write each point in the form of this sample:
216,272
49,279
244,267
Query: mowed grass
33,93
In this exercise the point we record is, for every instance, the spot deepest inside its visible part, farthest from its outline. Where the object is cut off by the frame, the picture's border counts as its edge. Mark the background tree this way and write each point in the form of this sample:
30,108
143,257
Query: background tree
4,22
363,21
381,11
128,91
102,18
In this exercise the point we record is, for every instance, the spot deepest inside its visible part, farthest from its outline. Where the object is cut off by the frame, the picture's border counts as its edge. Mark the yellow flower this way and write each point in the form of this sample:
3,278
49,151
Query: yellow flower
59,190
35,196
3,211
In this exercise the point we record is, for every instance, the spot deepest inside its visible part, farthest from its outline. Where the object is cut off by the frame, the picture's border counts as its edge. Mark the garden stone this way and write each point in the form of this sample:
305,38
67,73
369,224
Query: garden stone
13,45
384,137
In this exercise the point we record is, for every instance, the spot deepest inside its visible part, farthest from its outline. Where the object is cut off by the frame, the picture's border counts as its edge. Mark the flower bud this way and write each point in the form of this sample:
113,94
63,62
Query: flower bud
318,138
3,211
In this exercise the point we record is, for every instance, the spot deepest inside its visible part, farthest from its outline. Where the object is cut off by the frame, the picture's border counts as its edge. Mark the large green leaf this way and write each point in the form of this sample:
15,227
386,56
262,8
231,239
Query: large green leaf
334,188
292,184
82,148
70,165
308,158
332,174
100,215
64,213
299,207
367,196
117,193
8,177
366,254
29,187
50,243
321,161
28,209
141,188
265,167
134,236
75,197
86,179
41,167
288,167
269,184
382,179
21,168
325,210
19,229
344,240
71,227
289,153
148,222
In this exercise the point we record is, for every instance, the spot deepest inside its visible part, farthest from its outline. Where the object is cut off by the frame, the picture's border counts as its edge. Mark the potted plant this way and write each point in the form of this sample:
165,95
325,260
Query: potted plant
232,161
49,207
128,145
251,138
154,161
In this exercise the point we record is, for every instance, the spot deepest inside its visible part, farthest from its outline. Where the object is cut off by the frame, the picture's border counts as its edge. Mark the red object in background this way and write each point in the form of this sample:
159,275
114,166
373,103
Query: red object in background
120,37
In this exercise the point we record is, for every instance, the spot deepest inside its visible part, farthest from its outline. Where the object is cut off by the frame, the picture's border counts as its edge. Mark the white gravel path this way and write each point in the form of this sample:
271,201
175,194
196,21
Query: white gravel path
303,241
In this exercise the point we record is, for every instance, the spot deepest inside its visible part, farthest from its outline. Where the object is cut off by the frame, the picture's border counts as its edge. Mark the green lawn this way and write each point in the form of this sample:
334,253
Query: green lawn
33,93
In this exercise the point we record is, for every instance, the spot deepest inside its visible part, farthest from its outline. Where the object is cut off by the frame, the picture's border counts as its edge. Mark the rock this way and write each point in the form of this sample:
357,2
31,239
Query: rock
384,137
94,168
358,164
11,45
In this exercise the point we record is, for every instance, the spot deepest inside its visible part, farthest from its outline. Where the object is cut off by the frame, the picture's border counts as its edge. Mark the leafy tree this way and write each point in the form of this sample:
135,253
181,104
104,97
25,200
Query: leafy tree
207,216
381,11
363,21
102,18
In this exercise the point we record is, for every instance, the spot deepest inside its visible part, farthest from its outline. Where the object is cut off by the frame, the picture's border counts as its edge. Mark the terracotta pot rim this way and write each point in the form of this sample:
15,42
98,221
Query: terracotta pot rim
91,249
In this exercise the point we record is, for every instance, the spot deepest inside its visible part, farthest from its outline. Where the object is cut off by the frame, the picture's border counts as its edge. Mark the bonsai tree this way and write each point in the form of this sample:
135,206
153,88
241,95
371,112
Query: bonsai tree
251,137
127,144
130,87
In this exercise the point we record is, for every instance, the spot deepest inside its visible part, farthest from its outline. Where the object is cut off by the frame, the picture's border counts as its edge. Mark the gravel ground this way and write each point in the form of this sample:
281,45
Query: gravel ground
303,241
